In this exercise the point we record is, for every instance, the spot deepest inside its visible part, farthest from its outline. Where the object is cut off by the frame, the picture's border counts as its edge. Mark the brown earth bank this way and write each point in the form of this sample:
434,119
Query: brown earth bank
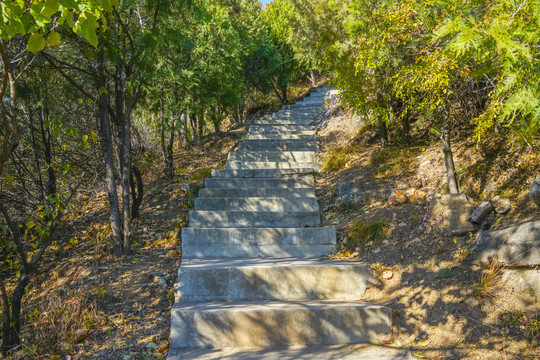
444,306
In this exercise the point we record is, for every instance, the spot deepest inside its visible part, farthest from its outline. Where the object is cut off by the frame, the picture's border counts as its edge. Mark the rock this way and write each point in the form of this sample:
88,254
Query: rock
452,212
502,205
514,245
415,196
523,280
349,195
534,192
397,197
481,212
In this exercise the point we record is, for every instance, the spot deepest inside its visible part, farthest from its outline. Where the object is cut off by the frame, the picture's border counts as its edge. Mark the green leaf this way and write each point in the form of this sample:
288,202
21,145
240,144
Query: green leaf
70,4
36,43
50,8
30,224
94,137
53,38
89,33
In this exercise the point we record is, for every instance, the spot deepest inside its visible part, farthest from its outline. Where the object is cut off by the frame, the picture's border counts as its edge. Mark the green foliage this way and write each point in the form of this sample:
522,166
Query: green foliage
361,234
201,174
338,158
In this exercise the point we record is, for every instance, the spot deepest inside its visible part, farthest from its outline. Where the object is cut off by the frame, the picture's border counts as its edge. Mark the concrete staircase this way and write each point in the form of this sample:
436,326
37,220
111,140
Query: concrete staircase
252,283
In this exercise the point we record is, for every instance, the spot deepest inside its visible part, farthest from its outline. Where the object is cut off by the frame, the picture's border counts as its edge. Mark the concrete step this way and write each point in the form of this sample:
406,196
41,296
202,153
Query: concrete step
282,132
277,127
262,173
306,138
257,204
268,324
313,352
287,279
270,165
276,145
258,242
273,156
244,219
282,121
303,107
260,183
253,193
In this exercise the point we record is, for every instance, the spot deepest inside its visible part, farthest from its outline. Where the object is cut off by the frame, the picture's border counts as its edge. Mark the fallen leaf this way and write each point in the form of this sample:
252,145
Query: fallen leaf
422,343
387,275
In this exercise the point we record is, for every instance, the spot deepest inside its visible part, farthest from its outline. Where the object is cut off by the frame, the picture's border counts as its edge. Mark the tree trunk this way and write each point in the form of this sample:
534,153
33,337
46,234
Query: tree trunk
166,148
313,79
200,123
183,130
193,122
405,127
136,194
383,132
285,95
6,319
105,132
453,185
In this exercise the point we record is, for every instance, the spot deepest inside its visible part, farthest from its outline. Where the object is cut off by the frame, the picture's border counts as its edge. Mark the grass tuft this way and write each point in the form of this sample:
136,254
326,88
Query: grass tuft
201,174
362,233
338,158
490,282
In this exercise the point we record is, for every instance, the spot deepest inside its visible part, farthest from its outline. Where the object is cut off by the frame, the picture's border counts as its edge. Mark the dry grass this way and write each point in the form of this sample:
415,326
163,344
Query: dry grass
490,281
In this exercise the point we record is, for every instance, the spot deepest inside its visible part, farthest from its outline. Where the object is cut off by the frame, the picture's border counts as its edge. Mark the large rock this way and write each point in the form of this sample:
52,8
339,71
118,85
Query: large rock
514,246
534,192
452,212
525,281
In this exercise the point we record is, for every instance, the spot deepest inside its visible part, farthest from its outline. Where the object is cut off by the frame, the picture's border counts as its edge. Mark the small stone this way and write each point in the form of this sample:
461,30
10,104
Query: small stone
534,192
481,212
502,205
416,240
376,251
397,197
415,196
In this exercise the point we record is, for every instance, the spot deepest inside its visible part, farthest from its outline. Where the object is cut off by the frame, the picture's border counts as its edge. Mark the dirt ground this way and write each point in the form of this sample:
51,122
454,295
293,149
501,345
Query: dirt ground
441,308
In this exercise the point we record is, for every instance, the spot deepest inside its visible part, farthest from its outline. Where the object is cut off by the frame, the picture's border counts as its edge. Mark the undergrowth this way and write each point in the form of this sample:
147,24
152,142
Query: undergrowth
338,158
362,234
395,160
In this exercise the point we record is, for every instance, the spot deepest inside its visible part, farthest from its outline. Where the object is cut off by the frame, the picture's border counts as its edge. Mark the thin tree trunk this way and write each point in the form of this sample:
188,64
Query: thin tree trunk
193,122
126,178
136,194
383,132
183,130
110,174
200,123
6,318
453,185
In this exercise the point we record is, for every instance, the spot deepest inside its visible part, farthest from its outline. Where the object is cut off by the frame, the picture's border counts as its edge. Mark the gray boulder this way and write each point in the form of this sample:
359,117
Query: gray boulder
517,245
534,192
349,195
481,212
